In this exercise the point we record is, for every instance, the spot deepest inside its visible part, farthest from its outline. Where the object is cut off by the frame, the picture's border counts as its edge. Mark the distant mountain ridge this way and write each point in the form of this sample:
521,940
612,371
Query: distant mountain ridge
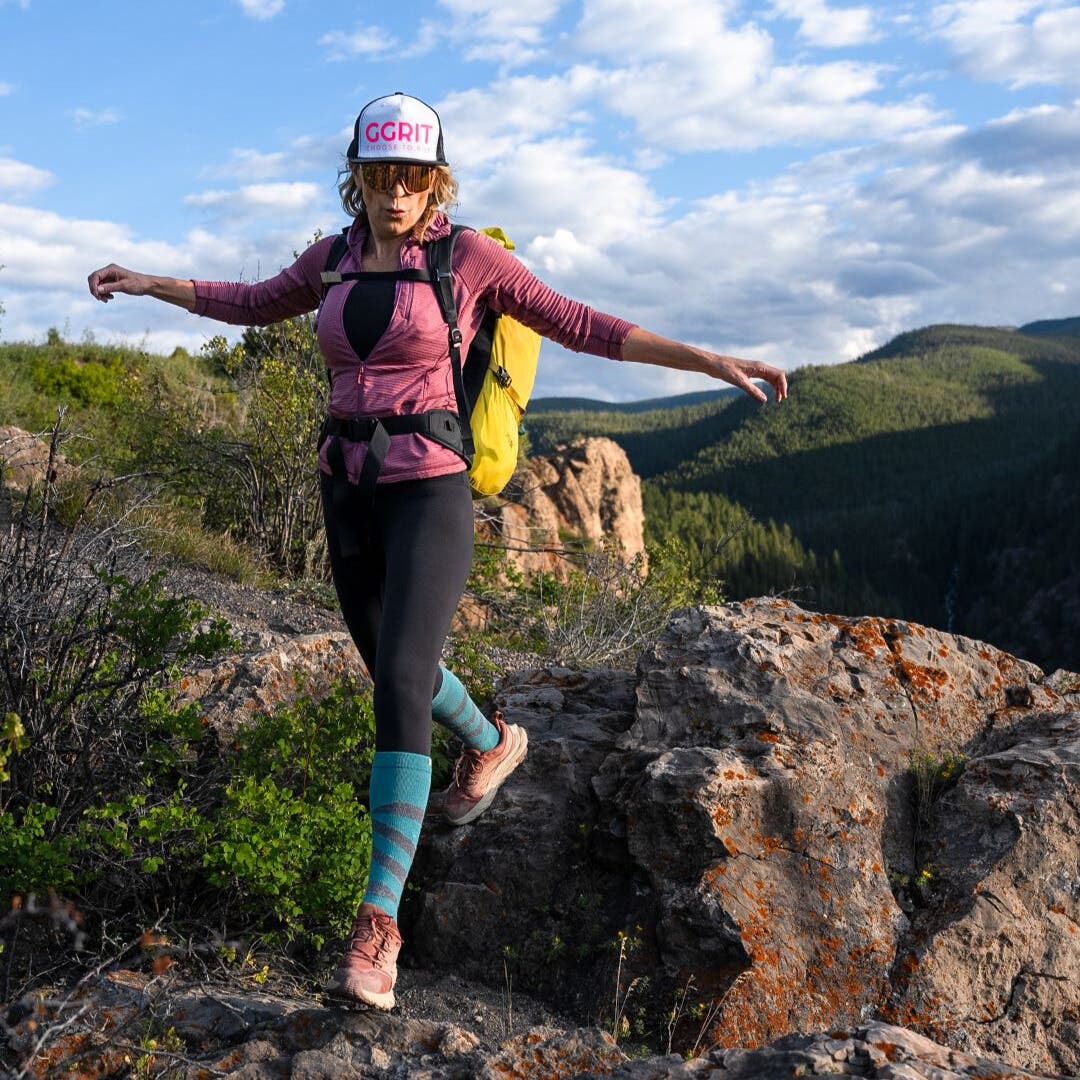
906,474
571,404
1053,328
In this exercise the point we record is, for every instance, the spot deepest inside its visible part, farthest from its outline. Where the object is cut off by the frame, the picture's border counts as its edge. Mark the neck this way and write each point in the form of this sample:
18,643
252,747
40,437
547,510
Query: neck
383,252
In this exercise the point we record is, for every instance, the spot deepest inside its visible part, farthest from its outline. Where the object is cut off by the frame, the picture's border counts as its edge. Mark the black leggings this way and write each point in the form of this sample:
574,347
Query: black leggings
399,594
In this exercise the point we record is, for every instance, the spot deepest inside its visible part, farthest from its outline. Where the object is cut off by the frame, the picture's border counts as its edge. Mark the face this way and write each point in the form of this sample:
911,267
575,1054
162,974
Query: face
394,213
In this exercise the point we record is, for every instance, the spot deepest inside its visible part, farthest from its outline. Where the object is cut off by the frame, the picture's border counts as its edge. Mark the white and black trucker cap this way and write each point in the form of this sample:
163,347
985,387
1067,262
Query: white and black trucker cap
397,128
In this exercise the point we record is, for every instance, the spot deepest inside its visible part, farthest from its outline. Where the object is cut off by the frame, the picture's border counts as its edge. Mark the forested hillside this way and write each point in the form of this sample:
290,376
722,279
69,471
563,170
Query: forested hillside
933,479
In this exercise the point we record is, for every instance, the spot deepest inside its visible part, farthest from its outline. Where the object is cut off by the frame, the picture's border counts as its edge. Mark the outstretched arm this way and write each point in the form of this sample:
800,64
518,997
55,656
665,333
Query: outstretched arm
112,279
509,287
295,290
643,347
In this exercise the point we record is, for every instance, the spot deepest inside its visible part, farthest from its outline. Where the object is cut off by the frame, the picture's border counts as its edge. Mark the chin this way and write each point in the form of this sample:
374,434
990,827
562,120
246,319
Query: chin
397,228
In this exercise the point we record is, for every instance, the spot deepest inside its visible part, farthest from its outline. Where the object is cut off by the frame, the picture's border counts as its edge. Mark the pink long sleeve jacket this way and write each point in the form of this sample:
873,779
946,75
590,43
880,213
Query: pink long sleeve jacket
409,370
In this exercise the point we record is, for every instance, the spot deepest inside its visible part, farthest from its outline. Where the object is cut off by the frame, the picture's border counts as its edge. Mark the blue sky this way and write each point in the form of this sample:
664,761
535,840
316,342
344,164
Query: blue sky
795,180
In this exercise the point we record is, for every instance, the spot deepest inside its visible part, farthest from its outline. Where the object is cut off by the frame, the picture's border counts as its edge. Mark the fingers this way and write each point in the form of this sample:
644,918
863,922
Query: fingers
772,375
753,390
98,283
108,280
779,384
740,374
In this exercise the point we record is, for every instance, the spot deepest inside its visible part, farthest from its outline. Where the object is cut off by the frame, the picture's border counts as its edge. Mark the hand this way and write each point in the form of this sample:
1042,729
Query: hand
740,372
112,279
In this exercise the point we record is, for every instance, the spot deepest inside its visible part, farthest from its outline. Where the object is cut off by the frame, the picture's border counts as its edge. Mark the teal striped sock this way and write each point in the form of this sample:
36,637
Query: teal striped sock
400,784
454,709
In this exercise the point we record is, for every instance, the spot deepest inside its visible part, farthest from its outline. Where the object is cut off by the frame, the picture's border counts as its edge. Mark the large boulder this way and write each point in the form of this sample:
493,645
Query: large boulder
245,684
586,490
763,815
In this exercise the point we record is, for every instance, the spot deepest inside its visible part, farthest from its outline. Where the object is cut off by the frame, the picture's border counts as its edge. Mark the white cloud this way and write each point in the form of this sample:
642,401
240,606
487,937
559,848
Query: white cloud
511,35
6,88
1016,42
48,257
560,202
692,82
18,178
84,117
262,9
494,30
365,41
822,263
829,27
483,127
269,200
43,249
248,164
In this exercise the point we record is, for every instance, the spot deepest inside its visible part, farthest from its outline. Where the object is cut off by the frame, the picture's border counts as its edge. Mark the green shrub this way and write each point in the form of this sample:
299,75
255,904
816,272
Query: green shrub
83,382
32,858
272,834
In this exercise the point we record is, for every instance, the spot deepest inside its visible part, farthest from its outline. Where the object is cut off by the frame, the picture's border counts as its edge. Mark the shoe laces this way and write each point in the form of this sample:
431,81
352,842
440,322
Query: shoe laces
467,771
371,936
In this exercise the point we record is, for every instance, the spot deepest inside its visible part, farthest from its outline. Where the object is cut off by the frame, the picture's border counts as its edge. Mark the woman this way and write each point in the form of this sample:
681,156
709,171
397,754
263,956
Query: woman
401,548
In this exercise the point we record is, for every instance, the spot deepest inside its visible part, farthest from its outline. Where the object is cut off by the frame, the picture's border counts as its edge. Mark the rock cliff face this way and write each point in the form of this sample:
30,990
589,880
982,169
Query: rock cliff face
586,489
745,810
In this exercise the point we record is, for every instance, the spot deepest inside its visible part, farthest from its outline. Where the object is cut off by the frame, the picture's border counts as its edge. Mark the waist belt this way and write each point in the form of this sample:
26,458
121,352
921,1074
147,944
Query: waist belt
440,425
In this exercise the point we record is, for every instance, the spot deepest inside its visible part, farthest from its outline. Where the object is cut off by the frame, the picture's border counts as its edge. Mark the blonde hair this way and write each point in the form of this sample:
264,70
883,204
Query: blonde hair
441,196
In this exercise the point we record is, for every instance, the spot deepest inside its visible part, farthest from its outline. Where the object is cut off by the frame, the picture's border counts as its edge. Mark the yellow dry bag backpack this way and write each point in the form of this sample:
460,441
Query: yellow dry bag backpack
492,384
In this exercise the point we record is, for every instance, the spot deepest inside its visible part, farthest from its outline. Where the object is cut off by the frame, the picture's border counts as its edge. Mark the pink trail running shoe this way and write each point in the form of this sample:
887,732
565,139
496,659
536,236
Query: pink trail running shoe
478,776
368,970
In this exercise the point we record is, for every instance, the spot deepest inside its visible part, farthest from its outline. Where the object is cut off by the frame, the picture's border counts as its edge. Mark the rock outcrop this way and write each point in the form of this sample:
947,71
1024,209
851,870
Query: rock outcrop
24,459
587,490
746,814
261,680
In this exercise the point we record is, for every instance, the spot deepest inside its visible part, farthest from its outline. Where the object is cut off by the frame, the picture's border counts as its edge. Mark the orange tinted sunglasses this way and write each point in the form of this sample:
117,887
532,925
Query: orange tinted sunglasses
383,175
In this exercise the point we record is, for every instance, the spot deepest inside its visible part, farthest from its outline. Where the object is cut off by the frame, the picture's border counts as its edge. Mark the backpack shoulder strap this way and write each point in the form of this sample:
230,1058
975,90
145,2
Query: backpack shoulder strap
334,257
440,260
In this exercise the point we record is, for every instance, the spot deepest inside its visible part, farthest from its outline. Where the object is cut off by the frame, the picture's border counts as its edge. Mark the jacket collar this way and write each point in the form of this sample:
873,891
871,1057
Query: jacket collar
412,252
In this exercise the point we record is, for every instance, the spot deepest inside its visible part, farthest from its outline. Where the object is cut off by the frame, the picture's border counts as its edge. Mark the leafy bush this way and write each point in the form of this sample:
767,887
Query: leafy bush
117,797
85,633
271,835
85,382
264,487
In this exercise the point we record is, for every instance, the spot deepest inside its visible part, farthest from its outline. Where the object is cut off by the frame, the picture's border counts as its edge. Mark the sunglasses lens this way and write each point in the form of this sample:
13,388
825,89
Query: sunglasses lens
378,176
415,177
382,176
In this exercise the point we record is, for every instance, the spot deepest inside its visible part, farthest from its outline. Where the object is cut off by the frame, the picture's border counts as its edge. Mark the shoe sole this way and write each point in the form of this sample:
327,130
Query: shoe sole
506,767
360,996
